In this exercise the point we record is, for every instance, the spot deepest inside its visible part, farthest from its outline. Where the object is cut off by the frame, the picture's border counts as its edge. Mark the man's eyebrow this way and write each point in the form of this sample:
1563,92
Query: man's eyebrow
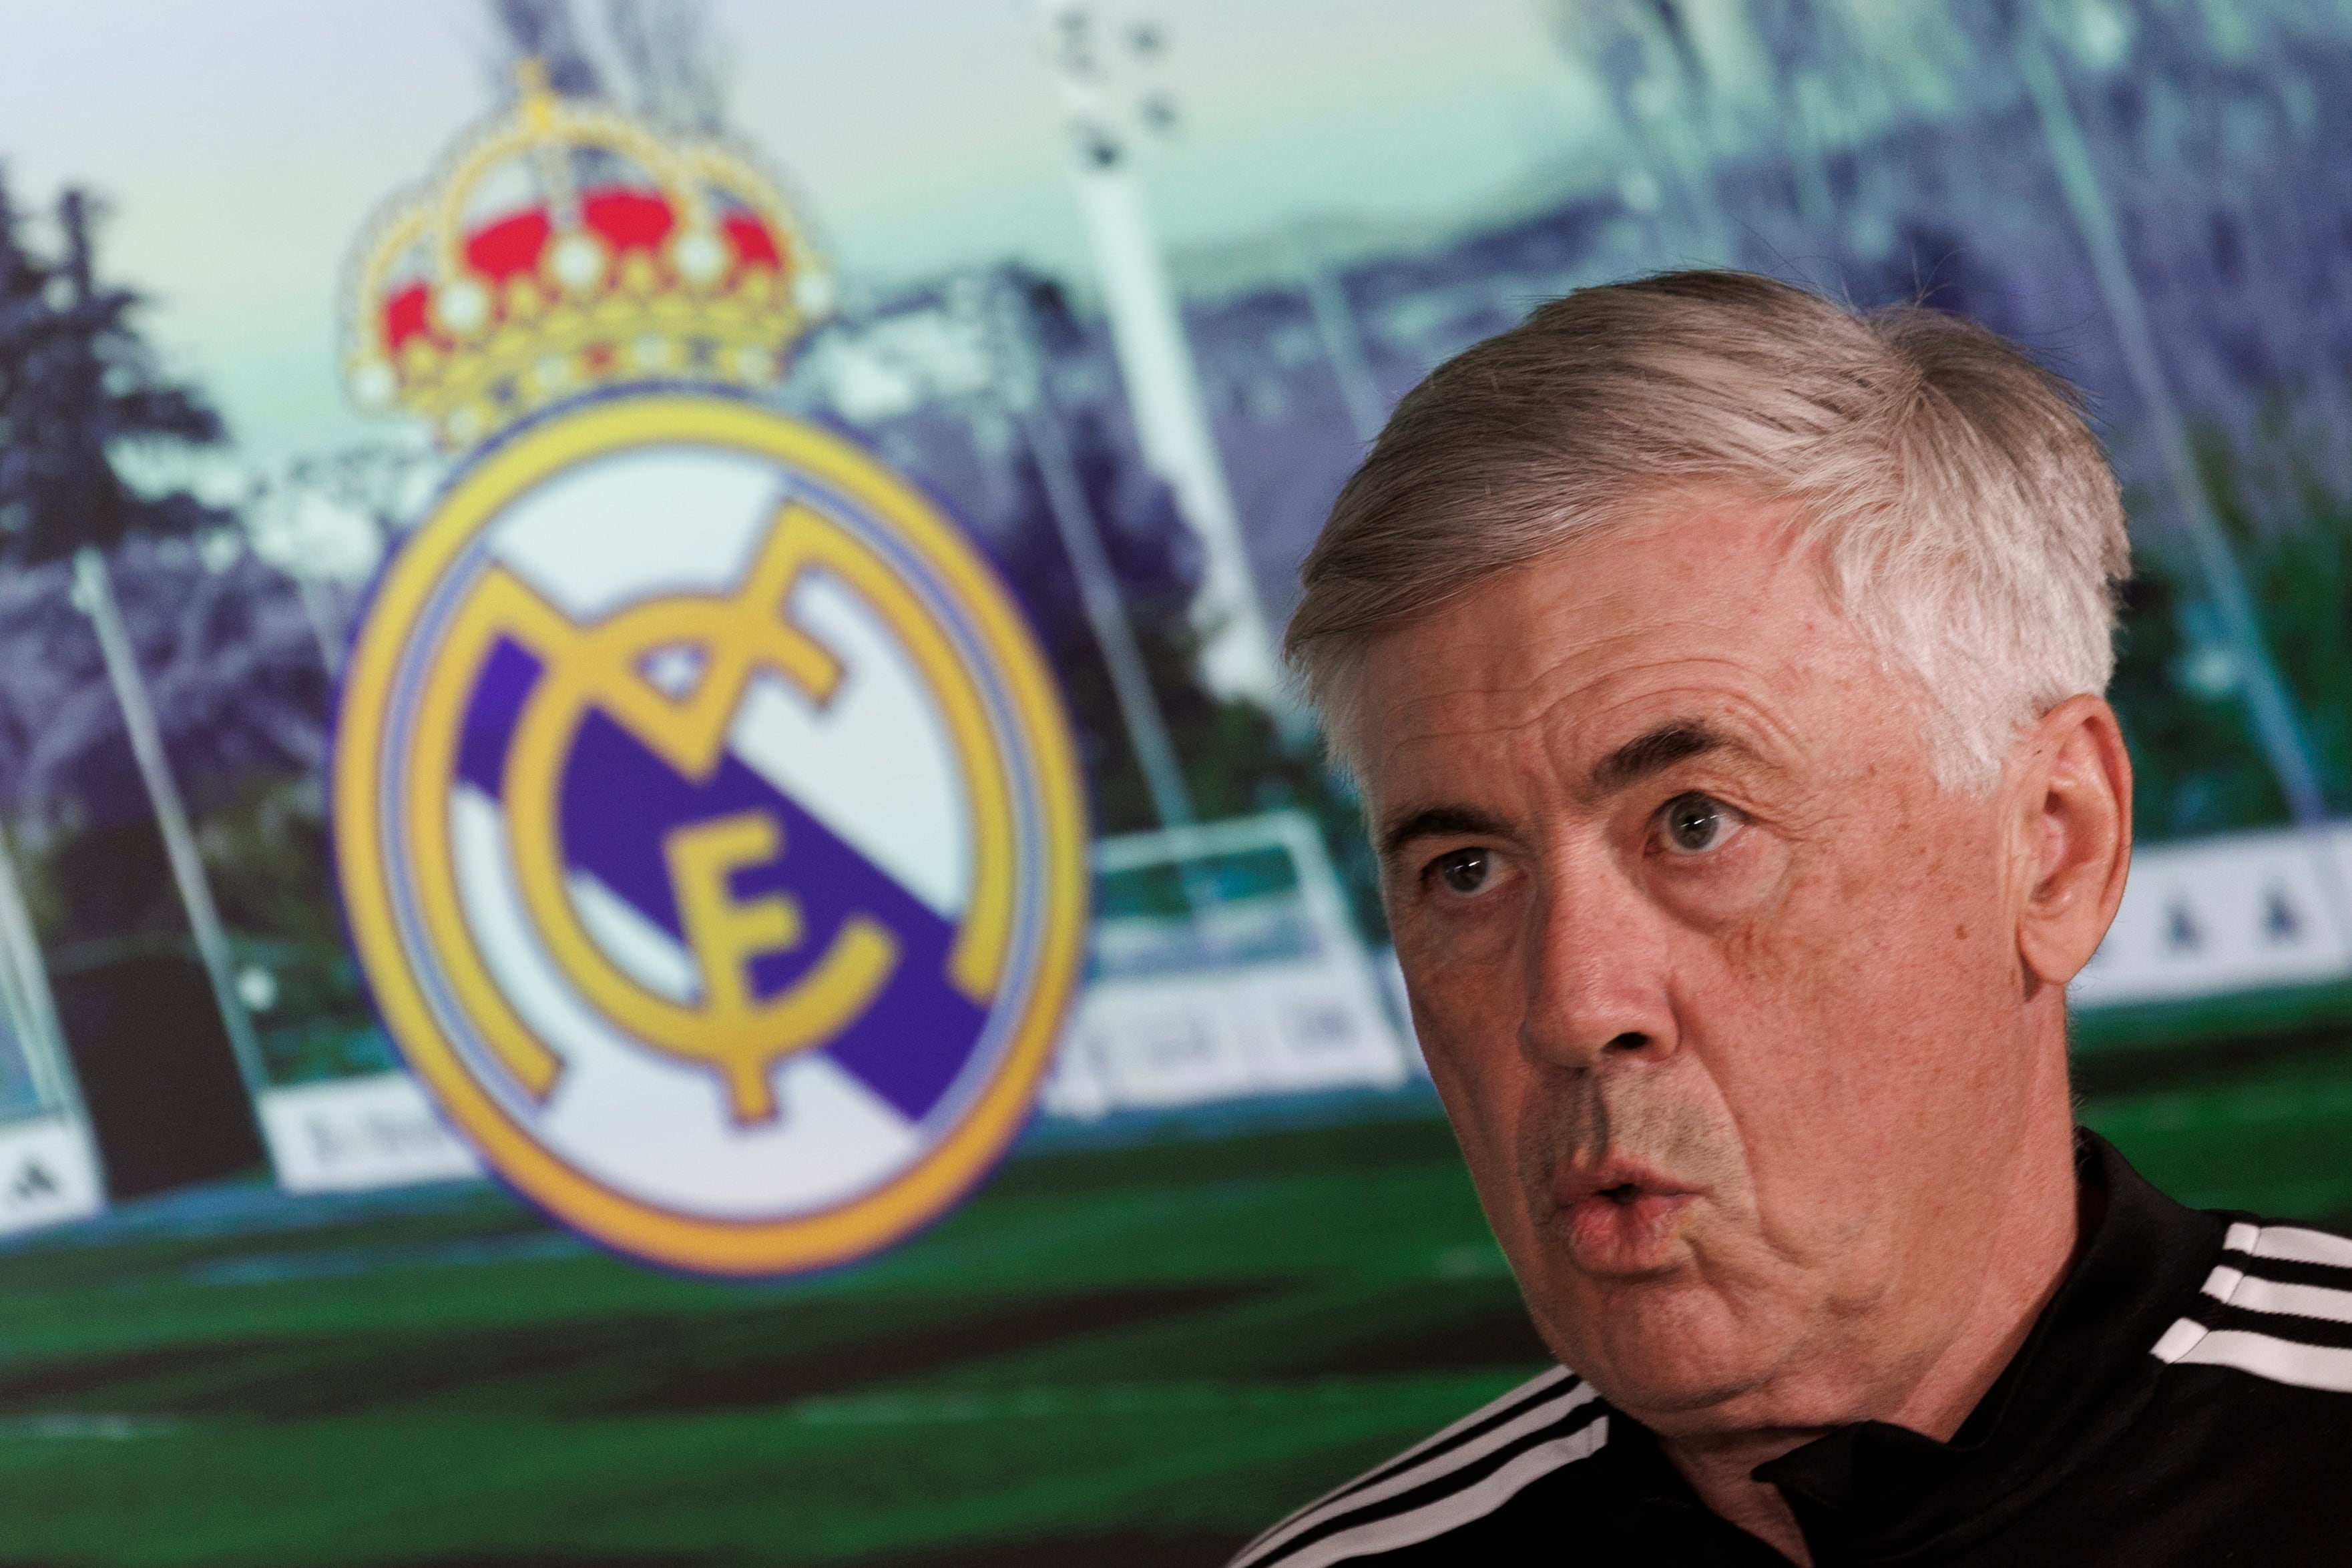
1437,821
1660,749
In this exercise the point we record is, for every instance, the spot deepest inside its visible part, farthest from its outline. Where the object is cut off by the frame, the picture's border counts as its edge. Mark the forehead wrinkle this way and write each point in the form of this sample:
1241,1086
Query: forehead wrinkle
1727,713
1469,708
1458,720
1730,714
1466,705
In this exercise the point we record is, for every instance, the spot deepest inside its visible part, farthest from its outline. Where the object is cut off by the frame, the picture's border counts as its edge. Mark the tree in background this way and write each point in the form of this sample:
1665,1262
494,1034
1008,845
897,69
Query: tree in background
328,519
80,391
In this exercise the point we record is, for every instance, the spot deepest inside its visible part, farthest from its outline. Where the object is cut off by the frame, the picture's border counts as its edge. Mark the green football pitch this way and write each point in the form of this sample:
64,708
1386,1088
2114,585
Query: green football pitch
1136,1355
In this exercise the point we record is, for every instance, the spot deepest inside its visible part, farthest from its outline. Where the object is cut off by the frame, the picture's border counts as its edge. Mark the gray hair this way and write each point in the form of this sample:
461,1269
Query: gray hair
1968,522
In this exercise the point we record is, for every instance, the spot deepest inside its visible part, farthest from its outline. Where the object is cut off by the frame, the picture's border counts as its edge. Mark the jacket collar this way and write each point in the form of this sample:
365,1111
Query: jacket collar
1883,1493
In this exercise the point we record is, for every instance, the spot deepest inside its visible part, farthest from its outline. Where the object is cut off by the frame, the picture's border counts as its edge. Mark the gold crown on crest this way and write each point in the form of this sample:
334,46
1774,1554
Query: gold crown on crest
568,246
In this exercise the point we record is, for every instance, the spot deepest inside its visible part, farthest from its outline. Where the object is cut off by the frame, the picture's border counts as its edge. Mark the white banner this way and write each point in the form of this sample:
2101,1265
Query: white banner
1259,988
351,1133
2236,913
1268,1029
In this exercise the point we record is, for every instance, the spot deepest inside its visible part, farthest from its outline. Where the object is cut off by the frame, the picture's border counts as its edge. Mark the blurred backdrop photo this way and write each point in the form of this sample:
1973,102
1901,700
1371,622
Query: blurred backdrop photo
660,901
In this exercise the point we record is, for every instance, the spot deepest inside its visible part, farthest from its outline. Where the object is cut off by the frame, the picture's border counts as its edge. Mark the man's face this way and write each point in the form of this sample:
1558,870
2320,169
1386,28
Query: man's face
1722,990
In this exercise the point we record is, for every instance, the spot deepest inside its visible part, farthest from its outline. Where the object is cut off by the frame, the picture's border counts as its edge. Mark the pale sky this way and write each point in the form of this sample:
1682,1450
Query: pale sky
243,143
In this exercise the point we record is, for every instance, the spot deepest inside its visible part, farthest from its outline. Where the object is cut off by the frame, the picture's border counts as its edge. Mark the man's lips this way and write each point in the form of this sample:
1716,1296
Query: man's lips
1616,1177
1619,1217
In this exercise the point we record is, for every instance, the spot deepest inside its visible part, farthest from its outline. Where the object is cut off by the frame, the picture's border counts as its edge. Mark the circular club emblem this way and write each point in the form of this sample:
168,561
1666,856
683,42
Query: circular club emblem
709,834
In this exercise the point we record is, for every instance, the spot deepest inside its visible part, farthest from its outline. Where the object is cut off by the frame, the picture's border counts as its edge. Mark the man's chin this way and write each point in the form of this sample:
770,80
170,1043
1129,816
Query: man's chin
1689,1400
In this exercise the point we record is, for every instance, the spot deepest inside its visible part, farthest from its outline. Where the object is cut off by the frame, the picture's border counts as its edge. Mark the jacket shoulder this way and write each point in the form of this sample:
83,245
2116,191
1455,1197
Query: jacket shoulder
1448,1483
2277,1306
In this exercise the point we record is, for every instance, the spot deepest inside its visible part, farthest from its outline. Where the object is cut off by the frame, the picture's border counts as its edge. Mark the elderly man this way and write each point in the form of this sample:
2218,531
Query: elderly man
1722,671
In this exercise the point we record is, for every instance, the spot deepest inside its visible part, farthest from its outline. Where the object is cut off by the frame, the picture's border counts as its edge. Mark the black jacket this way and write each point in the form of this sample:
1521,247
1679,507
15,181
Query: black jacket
2186,1398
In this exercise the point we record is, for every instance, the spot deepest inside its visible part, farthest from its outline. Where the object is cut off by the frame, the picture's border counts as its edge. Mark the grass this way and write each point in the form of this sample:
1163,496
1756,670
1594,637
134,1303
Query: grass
1138,1354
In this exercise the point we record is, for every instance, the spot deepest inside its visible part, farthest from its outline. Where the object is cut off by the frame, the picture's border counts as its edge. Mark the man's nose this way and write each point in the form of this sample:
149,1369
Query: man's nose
1596,974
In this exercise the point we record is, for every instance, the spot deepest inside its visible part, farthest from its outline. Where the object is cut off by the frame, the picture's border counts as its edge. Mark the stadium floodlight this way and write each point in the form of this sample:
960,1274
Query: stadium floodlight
1097,59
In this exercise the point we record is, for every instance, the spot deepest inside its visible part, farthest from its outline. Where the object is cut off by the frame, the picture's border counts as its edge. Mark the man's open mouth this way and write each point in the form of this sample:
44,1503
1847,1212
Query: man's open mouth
1617,1217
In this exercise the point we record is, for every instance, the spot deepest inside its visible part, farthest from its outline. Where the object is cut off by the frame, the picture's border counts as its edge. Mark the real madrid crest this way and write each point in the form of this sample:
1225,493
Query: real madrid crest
707,818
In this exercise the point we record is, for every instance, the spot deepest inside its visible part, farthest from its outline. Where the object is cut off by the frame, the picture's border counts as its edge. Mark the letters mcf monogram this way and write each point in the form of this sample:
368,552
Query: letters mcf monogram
733,1034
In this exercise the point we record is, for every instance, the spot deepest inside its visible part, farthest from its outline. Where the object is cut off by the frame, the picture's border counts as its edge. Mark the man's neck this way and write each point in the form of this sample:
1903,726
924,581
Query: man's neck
2039,1231
1721,1468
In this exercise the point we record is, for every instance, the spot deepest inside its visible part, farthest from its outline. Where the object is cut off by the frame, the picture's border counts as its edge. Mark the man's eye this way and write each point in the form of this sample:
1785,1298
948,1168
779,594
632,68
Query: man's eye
1693,824
1465,871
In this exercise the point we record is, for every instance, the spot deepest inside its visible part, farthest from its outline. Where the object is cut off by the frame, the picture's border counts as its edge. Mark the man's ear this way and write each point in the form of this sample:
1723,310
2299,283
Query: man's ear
2075,813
